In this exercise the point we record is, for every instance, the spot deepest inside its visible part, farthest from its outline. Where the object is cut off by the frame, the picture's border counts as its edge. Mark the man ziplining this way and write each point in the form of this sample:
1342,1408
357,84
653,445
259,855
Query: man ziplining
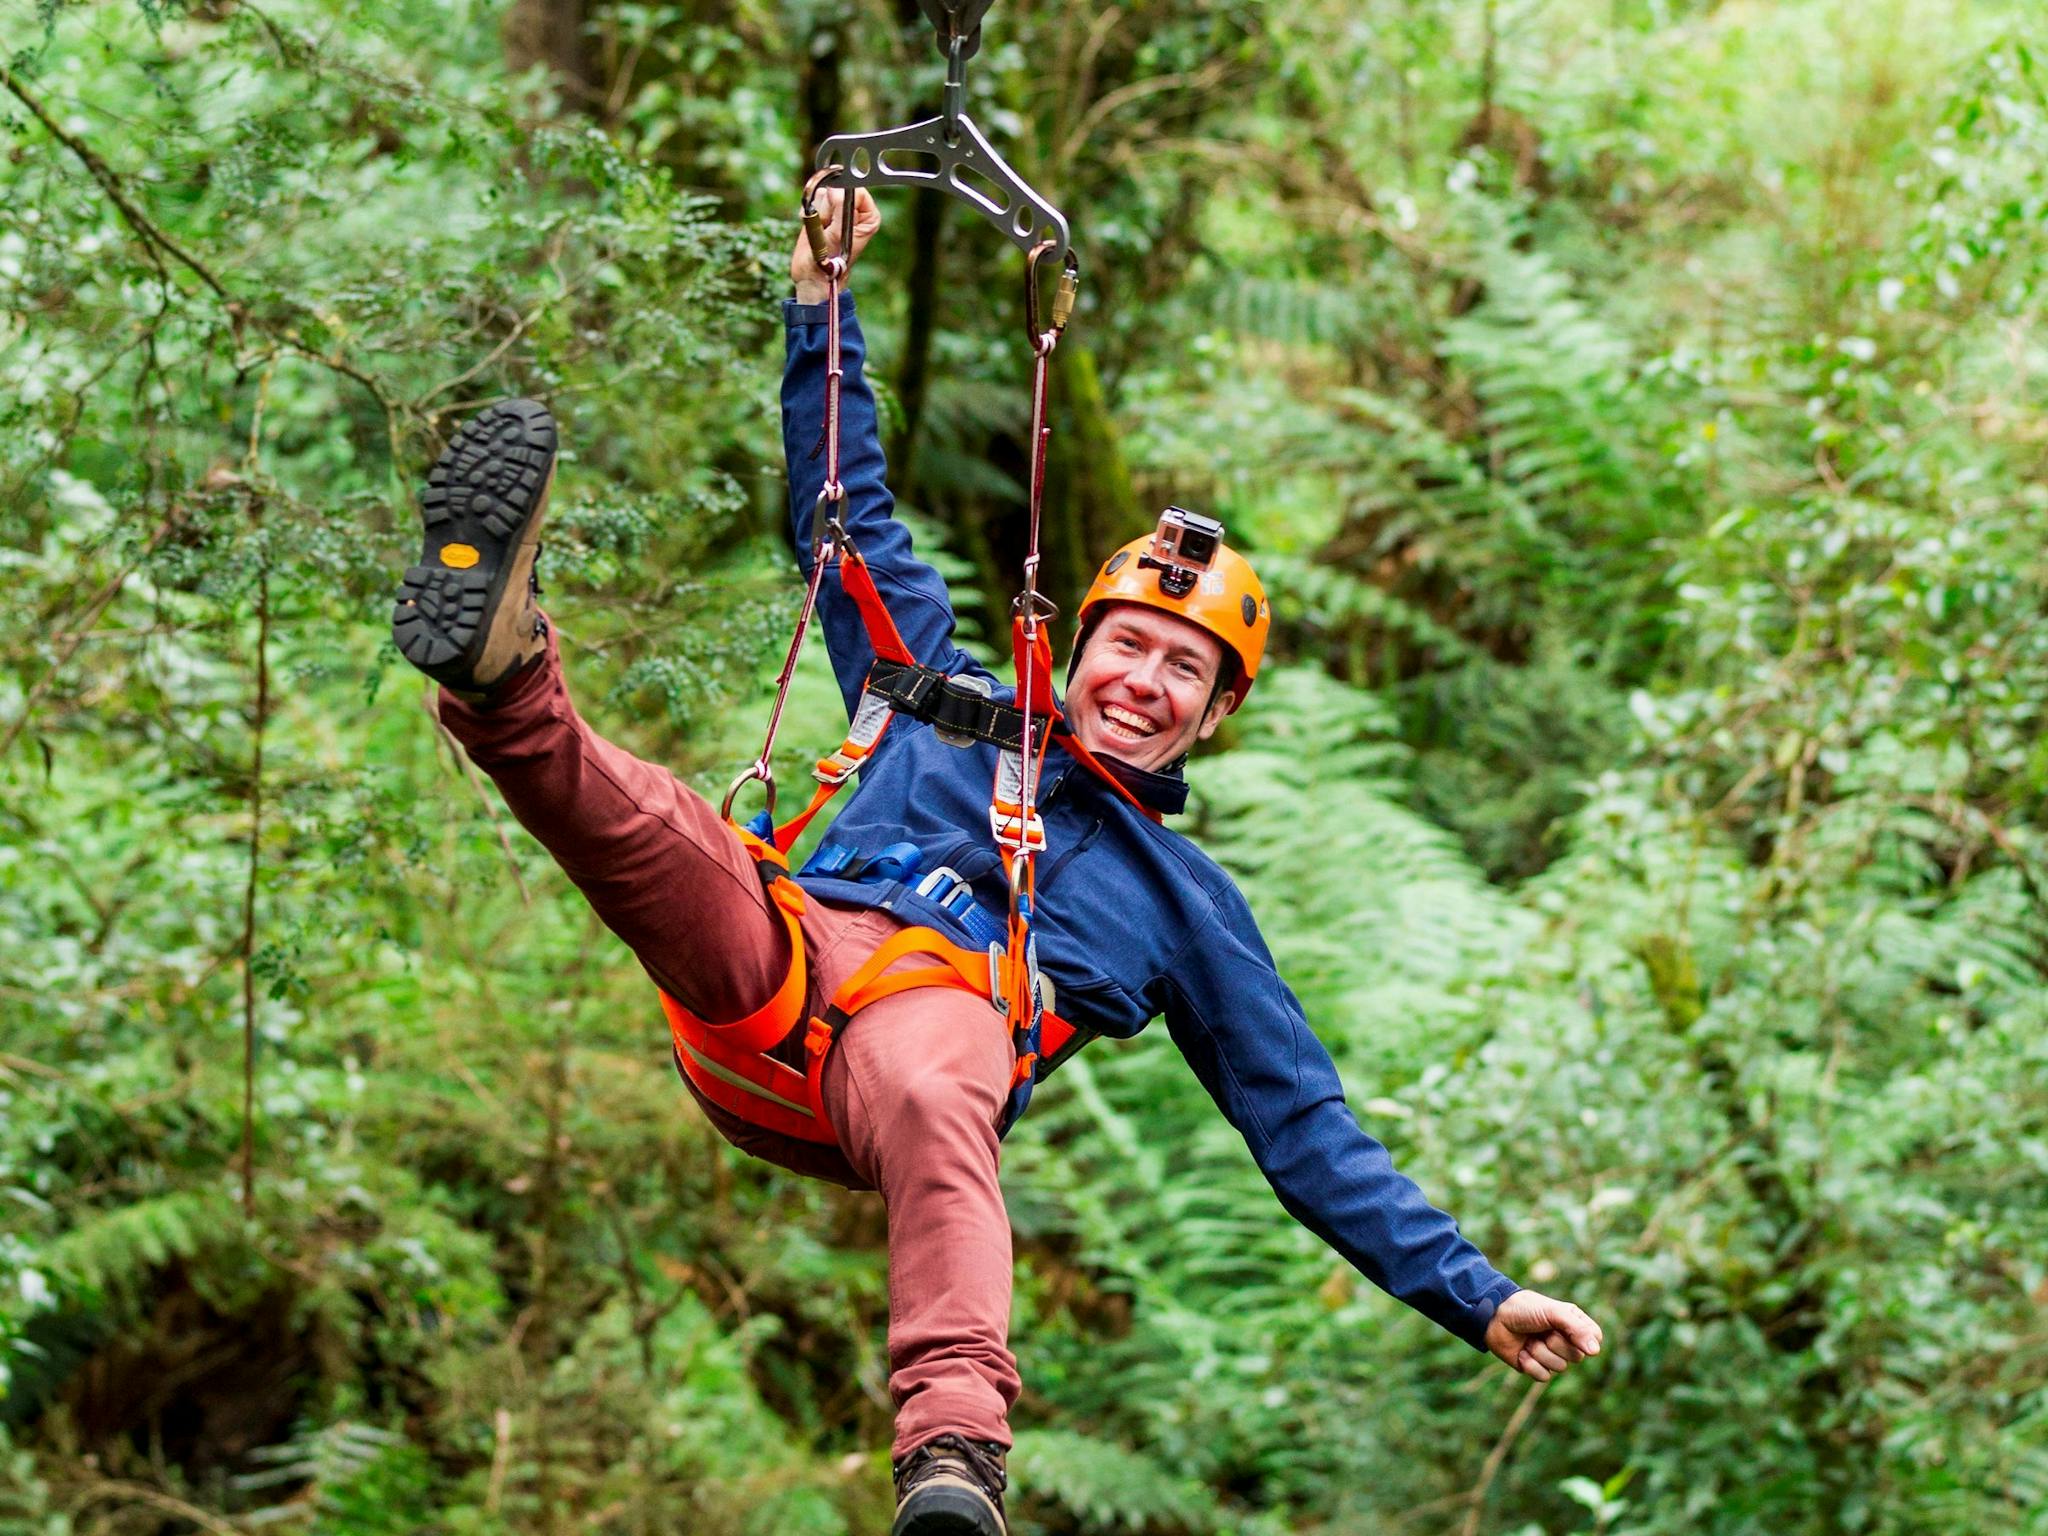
879,1018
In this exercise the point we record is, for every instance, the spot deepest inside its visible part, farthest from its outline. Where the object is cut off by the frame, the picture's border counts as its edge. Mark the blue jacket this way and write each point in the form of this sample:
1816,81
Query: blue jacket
1133,921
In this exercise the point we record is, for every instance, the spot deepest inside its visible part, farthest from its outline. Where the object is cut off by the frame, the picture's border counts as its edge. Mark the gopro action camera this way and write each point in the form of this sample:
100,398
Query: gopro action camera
1183,548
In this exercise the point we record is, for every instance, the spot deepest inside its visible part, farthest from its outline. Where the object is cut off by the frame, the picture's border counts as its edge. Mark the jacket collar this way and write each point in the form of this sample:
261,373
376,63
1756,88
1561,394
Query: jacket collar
1165,791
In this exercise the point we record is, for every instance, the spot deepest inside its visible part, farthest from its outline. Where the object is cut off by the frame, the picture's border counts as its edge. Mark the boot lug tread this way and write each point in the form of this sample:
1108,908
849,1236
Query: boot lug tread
488,490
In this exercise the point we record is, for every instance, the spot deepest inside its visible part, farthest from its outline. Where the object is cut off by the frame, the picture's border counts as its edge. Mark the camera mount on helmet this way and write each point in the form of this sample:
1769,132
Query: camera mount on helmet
1183,547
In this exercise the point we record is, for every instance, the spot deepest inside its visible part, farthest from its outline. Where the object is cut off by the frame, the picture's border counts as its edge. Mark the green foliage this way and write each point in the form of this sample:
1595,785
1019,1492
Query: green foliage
1634,412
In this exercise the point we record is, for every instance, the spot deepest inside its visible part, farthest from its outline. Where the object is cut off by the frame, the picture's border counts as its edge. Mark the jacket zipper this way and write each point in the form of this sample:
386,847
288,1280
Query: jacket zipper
1060,863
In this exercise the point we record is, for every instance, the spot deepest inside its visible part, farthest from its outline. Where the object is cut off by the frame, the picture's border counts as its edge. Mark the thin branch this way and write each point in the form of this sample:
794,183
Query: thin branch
468,771
13,1063
155,240
501,1460
110,184
249,891
106,1488
1499,1454
518,330
1196,79
100,601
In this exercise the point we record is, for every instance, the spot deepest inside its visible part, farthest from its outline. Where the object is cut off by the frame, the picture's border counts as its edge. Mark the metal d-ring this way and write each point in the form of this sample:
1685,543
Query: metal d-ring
757,769
1034,606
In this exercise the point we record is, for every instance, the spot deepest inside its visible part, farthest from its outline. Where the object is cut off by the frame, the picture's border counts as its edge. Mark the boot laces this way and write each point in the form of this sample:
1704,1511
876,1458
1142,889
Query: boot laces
982,1460
540,620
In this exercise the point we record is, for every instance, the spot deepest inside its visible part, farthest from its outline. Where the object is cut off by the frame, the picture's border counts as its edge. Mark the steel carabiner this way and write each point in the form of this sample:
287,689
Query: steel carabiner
1043,339
814,223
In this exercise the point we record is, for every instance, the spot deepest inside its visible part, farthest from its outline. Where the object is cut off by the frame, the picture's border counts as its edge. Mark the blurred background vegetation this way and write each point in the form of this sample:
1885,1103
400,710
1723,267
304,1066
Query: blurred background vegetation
1636,407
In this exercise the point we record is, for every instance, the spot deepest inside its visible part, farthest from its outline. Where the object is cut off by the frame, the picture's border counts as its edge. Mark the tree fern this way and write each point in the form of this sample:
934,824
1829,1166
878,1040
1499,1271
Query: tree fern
1115,1491
111,1258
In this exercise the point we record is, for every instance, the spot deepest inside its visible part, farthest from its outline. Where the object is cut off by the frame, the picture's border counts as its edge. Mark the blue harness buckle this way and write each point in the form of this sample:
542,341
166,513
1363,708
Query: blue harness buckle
946,888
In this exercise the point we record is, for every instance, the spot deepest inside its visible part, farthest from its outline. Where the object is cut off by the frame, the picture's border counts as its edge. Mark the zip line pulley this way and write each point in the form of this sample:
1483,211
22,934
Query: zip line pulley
950,154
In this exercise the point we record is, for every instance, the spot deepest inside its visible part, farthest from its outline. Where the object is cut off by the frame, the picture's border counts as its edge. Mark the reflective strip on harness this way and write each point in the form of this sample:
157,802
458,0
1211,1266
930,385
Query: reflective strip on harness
869,721
698,1059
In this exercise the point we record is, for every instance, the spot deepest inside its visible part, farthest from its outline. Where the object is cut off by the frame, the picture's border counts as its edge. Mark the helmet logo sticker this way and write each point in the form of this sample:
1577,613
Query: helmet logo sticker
1250,610
1116,562
1212,583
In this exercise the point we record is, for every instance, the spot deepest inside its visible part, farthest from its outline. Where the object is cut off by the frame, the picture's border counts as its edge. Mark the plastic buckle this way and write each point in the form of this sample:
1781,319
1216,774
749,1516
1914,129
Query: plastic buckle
898,861
830,859
1023,833
840,765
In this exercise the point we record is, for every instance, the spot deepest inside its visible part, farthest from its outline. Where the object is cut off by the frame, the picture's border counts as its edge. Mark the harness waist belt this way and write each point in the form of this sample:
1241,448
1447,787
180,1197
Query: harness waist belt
926,693
944,887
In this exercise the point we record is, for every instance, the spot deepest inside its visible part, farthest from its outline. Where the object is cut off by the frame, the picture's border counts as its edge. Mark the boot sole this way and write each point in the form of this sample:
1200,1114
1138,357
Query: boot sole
947,1512
481,510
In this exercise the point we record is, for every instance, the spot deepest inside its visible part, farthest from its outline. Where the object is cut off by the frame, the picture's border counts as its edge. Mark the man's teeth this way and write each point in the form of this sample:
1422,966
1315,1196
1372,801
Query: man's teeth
1128,721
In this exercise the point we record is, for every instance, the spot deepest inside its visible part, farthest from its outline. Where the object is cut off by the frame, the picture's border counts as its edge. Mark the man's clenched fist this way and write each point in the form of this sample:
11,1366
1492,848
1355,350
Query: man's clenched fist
1541,1337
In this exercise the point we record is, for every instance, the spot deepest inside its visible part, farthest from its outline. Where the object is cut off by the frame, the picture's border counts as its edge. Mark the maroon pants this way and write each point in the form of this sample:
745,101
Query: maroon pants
915,1085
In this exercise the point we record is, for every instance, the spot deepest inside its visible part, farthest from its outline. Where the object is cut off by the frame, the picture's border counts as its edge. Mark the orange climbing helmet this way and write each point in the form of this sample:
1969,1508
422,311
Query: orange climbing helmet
1184,568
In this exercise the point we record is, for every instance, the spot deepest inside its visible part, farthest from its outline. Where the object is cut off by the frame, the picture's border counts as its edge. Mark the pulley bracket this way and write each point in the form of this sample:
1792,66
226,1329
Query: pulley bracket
967,168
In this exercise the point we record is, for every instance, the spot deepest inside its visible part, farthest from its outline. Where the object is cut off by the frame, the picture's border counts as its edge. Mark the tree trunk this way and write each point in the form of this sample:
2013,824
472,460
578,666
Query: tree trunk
557,33
823,92
913,379
1090,503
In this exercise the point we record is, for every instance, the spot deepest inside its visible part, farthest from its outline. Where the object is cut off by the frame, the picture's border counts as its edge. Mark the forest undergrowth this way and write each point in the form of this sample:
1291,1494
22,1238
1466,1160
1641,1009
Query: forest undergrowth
1636,410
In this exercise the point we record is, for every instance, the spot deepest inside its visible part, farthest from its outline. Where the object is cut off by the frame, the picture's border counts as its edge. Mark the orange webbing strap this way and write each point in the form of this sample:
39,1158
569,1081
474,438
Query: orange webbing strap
883,636
1040,651
792,829
774,1019
871,716
957,966
967,969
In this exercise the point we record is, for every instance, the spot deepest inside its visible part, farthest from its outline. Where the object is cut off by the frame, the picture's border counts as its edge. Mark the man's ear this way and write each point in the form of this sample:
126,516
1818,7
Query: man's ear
1221,705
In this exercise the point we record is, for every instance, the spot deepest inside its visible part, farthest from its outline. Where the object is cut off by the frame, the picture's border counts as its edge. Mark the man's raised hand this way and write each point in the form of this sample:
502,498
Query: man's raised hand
804,271
1540,1336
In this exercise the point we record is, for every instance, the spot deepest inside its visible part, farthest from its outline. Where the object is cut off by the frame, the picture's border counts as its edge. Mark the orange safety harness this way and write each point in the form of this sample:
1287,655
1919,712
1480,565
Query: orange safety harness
730,1063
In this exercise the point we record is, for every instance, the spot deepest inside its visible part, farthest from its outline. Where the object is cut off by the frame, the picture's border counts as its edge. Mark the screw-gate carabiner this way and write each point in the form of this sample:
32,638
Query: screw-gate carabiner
1044,338
834,266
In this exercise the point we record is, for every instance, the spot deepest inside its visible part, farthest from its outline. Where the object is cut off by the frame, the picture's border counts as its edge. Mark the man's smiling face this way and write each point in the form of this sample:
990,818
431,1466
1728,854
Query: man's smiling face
1143,686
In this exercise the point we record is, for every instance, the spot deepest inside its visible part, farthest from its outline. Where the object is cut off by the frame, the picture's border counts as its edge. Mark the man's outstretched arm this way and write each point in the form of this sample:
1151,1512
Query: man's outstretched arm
1244,1033
915,594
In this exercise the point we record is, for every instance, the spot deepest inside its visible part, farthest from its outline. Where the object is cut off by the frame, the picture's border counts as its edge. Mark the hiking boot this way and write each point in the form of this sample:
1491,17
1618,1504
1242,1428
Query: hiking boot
465,614
951,1486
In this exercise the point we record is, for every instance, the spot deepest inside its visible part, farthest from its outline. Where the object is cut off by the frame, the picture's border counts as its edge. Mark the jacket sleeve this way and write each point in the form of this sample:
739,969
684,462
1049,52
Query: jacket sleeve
914,593
1244,1033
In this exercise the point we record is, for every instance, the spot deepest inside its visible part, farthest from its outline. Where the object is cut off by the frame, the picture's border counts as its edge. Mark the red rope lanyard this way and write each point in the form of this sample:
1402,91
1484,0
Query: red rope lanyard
828,533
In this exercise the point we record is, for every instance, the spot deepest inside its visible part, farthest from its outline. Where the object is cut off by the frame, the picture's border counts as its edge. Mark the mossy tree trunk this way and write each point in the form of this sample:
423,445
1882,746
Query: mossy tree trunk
557,33
920,329
1091,505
